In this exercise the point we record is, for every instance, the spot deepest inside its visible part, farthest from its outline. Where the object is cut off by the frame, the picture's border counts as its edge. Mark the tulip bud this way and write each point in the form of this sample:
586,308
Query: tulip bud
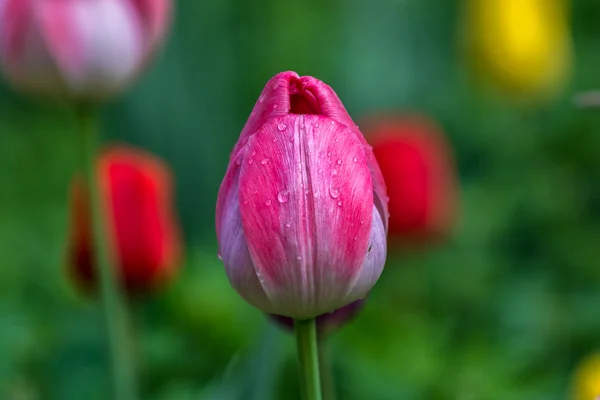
301,213
586,380
522,46
418,169
326,323
135,188
86,50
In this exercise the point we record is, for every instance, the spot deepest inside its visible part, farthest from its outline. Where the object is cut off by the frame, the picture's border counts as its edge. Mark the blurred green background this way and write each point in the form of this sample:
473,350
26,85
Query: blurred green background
505,310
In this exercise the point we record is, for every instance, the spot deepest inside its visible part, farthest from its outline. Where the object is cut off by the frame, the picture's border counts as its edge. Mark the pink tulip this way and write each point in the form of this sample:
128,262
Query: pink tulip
302,210
85,49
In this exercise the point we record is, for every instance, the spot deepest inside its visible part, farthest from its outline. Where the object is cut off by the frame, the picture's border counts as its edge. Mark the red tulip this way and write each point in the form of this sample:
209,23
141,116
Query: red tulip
326,323
417,165
79,48
143,234
301,213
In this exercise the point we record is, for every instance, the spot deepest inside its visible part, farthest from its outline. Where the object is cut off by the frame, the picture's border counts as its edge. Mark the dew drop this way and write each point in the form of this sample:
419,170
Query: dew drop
219,256
306,191
299,258
281,127
239,161
283,196
334,172
275,106
265,161
320,170
334,192
316,125
261,98
332,122
253,153
275,86
339,161
268,203
355,159
362,222
275,140
245,201
329,154
355,237
340,203
337,140
250,161
288,224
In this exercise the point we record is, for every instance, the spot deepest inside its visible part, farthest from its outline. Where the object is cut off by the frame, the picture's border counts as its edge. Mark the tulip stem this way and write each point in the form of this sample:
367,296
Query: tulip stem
308,358
326,367
115,312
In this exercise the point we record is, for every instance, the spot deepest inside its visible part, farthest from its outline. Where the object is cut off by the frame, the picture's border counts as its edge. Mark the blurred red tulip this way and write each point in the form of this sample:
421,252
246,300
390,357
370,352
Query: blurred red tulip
418,168
136,188
79,49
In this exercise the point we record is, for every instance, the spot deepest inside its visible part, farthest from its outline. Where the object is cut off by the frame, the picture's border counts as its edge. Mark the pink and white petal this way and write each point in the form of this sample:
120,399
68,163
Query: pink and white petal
155,16
331,106
97,44
274,101
375,260
232,244
306,203
26,58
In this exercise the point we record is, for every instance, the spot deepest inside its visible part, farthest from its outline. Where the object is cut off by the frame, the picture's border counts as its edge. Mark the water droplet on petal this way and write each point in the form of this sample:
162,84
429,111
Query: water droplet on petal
281,127
320,170
355,159
288,224
250,161
299,258
239,161
306,191
219,256
253,153
339,161
334,172
362,222
337,140
275,106
329,154
245,201
275,140
334,192
355,237
332,122
265,161
268,203
340,203
316,125
283,196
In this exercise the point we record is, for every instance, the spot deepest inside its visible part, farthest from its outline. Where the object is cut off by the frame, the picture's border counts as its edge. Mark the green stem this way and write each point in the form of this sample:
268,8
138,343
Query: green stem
326,368
308,357
113,302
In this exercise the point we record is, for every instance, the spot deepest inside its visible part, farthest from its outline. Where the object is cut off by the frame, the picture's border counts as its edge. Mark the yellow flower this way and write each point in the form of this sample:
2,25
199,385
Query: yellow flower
523,46
586,382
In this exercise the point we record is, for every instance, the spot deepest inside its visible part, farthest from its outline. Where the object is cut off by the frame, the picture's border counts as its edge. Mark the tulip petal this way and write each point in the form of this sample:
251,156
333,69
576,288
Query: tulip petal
155,16
375,260
306,203
232,243
97,44
287,93
331,106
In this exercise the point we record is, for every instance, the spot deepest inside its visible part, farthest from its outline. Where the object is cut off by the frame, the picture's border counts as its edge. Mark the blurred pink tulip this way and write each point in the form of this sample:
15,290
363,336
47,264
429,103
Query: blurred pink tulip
83,49
302,210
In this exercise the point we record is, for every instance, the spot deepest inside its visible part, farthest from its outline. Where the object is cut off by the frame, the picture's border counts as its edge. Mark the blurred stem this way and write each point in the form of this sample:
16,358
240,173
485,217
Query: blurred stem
308,358
326,369
113,301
